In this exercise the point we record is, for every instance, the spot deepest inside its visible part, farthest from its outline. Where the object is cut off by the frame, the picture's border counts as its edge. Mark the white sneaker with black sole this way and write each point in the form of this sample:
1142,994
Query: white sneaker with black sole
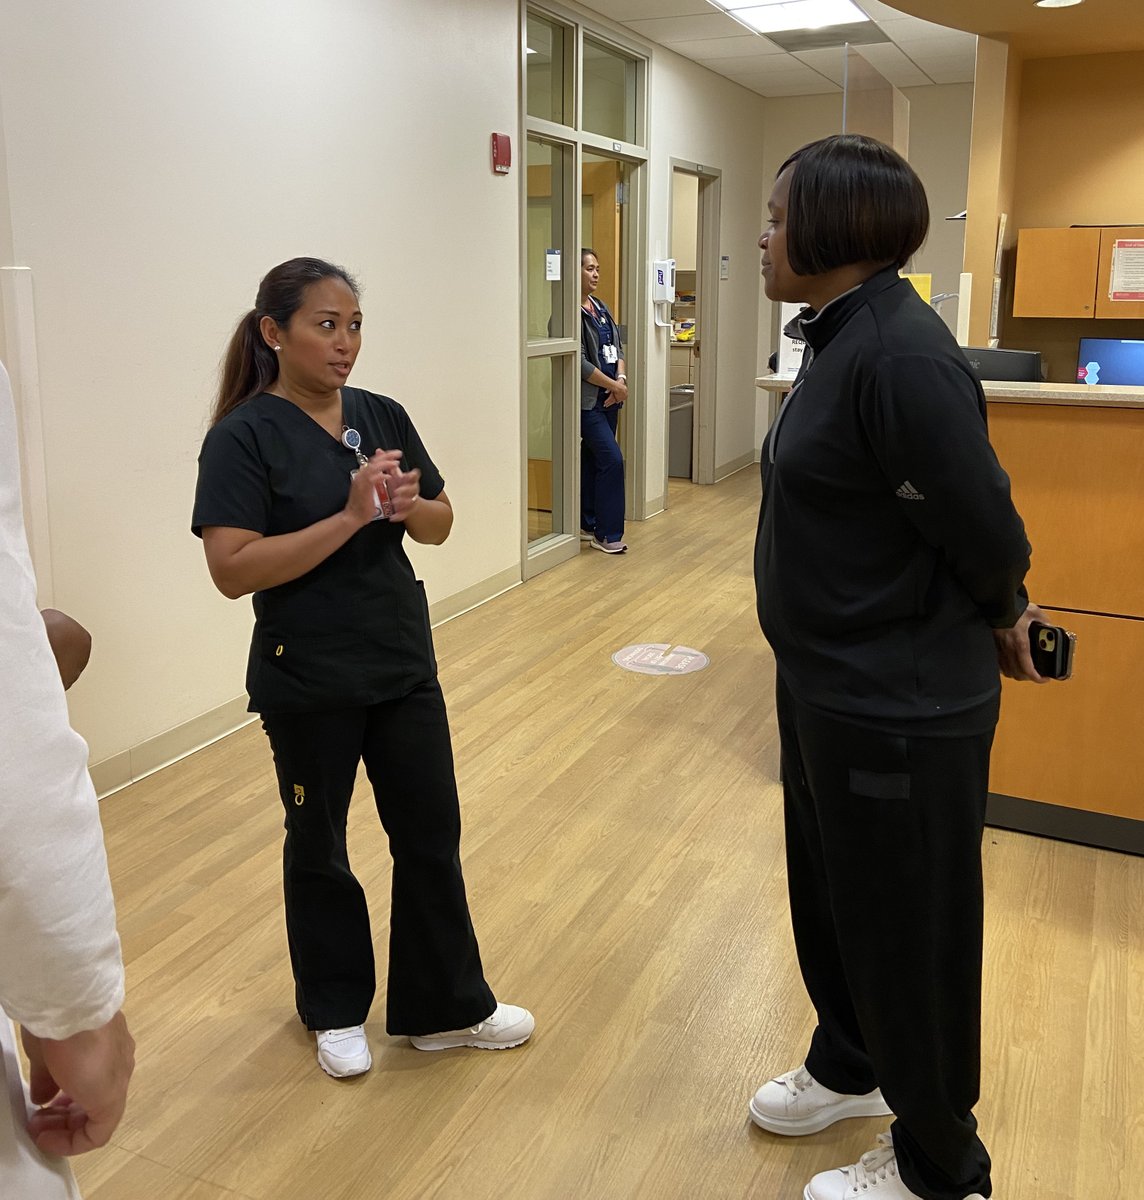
795,1104
507,1026
344,1052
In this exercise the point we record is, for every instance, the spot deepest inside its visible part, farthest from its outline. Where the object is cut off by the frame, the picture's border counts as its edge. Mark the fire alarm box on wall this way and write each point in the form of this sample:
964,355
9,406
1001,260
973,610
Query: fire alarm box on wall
502,153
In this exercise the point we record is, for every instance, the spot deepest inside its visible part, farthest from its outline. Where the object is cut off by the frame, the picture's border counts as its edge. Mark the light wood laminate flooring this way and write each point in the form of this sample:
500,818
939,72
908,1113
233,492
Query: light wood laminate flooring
624,856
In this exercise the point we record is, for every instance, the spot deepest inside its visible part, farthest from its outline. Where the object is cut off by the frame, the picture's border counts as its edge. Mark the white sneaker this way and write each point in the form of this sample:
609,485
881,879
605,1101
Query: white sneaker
796,1103
508,1026
343,1052
874,1175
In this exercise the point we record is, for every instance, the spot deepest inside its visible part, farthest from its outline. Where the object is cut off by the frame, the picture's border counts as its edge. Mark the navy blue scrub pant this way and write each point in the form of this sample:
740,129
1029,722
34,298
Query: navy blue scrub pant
883,840
601,473
435,977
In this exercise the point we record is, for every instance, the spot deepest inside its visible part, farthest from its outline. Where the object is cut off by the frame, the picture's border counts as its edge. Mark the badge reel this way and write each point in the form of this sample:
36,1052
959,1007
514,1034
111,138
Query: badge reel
351,439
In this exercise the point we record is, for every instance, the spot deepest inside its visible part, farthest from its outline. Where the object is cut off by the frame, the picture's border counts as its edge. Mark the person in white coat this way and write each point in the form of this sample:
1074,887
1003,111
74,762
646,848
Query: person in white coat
61,972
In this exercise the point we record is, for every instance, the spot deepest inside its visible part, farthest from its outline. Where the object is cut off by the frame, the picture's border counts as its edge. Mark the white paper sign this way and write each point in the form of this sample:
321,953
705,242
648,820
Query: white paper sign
1127,279
790,349
552,266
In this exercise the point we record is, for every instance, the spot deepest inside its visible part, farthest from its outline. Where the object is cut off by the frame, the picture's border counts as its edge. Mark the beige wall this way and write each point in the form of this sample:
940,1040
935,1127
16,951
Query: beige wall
700,117
684,215
160,158
940,120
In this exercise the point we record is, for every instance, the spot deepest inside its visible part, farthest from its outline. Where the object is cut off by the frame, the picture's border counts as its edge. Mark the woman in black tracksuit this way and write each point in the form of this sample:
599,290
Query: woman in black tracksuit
889,565
307,488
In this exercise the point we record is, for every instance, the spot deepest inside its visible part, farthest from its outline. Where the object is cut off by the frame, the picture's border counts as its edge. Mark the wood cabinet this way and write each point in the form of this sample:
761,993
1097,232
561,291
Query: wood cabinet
1065,273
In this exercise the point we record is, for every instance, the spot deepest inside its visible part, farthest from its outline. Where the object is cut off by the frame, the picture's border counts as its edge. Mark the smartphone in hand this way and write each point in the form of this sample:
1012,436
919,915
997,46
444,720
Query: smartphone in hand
1052,648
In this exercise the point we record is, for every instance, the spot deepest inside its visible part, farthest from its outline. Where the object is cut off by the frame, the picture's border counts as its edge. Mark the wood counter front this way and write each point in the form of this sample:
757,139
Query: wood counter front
1069,757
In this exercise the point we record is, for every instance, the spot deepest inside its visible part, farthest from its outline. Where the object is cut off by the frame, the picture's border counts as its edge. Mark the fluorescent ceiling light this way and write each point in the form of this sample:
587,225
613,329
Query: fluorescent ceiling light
773,16
1057,3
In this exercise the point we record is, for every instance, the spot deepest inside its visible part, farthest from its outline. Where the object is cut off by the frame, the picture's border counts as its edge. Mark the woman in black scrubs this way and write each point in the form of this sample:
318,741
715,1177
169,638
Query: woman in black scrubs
306,490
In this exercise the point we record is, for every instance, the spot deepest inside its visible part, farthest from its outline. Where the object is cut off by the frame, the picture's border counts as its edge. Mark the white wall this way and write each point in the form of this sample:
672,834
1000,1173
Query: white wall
161,157
701,117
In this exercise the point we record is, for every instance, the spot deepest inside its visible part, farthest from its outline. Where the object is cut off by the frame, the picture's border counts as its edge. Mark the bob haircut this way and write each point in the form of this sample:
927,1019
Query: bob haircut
852,199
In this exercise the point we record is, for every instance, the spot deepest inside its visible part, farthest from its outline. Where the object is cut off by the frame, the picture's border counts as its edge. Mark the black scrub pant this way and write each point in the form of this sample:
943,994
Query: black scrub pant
883,837
435,976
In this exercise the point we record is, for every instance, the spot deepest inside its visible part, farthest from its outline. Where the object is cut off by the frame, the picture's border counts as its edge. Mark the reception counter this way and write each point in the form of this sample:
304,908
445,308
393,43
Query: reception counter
1068,760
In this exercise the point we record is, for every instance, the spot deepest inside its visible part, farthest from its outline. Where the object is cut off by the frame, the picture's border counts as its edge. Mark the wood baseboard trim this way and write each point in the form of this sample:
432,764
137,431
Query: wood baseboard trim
1065,824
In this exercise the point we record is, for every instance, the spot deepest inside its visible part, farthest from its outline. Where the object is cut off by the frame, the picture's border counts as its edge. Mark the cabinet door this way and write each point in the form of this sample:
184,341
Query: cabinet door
1124,309
1056,273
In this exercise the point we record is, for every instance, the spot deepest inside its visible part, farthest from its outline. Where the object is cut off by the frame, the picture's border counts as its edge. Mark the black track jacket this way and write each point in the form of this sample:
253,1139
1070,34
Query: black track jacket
888,544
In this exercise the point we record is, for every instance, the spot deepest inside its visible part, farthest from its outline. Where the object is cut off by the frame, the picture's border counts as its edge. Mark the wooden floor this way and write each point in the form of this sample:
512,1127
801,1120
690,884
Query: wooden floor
623,851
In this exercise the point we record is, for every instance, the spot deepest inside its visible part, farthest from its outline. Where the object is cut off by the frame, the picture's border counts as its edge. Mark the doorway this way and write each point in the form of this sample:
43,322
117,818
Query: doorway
691,395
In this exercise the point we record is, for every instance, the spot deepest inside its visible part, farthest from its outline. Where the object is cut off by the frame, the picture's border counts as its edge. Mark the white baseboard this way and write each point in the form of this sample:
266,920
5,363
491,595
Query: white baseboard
738,464
169,746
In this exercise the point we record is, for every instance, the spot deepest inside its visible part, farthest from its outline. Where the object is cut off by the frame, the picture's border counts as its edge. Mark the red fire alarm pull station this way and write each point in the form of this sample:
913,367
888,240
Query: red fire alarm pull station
502,153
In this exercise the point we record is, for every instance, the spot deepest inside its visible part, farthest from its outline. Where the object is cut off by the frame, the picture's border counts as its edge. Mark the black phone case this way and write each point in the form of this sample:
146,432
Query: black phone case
1052,650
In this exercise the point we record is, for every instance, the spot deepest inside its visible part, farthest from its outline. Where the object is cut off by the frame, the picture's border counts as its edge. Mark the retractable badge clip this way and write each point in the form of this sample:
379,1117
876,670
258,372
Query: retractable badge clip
351,439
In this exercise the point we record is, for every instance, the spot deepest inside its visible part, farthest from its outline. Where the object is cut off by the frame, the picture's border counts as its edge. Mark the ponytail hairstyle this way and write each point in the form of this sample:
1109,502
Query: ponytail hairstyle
250,366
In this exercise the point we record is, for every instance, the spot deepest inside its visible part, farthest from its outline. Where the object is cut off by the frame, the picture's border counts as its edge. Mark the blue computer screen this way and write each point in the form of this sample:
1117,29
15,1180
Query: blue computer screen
1108,360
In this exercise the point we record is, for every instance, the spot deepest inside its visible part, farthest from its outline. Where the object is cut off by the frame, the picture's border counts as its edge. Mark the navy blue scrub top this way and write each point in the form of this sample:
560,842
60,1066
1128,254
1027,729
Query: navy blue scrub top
354,630
604,327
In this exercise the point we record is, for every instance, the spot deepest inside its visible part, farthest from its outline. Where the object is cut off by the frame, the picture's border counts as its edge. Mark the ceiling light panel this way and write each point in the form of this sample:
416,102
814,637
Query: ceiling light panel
778,15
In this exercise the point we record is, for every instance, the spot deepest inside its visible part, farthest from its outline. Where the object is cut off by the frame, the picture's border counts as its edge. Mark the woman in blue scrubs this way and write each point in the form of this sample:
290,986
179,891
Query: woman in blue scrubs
603,390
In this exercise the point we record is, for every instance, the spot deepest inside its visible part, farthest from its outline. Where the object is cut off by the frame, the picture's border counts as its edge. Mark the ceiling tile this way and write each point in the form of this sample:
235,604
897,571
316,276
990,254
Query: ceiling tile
704,50
950,74
710,24
634,10
876,10
817,86
895,65
831,63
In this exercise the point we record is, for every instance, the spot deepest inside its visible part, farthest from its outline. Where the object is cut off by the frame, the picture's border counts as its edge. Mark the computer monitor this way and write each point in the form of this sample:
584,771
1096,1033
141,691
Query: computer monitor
1119,361
1013,366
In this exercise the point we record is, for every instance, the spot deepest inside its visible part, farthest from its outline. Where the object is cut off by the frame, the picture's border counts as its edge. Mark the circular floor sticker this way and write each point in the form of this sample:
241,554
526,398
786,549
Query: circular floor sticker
660,658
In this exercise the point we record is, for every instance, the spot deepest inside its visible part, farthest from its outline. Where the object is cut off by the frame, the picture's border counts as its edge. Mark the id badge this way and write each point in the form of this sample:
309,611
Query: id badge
611,355
383,508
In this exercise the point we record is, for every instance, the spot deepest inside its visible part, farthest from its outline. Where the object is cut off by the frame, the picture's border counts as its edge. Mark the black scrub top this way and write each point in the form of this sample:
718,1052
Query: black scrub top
354,630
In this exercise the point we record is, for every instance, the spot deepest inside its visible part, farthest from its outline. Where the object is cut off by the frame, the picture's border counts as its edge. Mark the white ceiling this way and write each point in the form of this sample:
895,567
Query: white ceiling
918,52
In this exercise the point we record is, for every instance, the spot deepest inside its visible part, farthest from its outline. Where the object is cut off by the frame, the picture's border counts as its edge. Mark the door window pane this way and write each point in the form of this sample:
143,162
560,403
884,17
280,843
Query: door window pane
544,70
609,92
545,445
546,268
603,211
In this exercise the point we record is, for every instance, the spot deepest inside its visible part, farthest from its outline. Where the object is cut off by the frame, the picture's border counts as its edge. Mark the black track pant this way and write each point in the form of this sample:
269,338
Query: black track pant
435,976
883,841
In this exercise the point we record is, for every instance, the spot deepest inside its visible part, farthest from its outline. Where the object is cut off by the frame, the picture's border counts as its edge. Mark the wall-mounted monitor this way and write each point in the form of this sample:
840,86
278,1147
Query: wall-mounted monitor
1118,361
1005,366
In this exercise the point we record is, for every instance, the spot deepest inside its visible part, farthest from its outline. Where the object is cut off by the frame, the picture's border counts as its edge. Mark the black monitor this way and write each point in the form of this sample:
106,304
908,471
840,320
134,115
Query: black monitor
1118,361
1000,366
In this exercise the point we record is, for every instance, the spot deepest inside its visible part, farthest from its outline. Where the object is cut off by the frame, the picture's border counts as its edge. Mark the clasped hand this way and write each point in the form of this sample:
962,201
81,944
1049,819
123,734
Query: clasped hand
382,475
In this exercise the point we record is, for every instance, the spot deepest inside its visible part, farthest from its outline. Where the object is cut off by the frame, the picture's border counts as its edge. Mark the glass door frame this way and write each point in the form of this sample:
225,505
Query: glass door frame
564,544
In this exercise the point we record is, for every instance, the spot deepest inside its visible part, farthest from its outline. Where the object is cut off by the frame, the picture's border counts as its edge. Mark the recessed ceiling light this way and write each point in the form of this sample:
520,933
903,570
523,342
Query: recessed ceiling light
1056,3
773,16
